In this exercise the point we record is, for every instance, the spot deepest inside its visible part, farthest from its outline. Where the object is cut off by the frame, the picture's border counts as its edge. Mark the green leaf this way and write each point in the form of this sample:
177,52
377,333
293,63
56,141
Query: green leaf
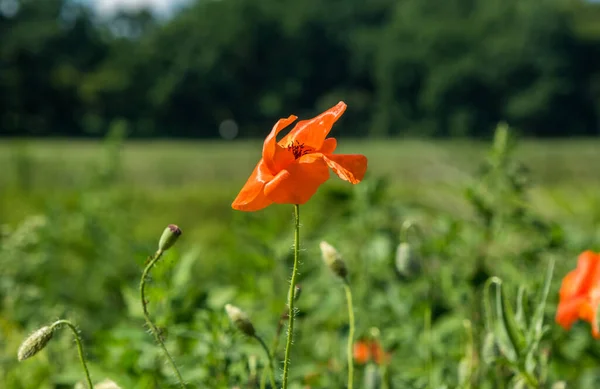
522,312
516,336
536,330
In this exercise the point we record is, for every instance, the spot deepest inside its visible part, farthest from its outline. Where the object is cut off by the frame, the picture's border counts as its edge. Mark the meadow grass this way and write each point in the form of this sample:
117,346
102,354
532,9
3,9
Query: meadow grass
564,172
404,162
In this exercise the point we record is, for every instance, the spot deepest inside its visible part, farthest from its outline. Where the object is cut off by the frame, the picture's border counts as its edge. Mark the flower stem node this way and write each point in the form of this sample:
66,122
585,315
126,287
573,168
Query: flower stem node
35,343
240,320
333,260
169,237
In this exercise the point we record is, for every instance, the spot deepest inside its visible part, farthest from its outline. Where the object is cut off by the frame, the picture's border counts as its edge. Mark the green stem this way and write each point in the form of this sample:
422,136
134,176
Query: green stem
429,346
275,345
149,322
270,359
350,334
79,348
290,332
384,372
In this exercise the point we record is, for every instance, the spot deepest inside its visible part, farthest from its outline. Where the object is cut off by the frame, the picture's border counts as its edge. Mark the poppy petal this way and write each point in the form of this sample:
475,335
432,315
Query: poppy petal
252,197
588,312
299,181
329,146
578,281
349,167
312,132
362,352
275,156
568,312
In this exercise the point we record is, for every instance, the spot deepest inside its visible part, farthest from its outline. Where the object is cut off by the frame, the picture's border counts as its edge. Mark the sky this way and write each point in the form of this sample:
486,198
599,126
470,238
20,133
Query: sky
110,6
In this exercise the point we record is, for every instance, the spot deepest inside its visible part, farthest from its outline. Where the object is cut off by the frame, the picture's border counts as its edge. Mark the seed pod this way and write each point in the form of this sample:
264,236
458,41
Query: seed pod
240,320
35,342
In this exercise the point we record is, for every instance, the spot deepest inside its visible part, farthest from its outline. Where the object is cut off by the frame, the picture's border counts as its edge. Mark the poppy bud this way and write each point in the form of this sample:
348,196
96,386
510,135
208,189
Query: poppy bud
169,237
240,319
333,260
407,260
107,384
35,342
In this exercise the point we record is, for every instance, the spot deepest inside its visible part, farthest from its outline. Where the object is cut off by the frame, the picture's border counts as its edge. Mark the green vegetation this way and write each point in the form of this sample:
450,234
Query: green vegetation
79,219
418,67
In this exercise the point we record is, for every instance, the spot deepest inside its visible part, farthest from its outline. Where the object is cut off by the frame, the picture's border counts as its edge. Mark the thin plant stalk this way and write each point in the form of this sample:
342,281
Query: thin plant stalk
270,359
384,372
149,322
350,334
429,343
290,332
79,349
275,344
280,324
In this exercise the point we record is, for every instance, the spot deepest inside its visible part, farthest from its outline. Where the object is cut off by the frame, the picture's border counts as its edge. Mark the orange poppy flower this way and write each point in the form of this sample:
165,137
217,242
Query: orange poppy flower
291,170
364,351
579,294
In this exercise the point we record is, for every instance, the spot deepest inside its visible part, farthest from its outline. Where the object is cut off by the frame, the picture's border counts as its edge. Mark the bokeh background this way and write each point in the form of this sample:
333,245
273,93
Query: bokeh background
210,69
119,117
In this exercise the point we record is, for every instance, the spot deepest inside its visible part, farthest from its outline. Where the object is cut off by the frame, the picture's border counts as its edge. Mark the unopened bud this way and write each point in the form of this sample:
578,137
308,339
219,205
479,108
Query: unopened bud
374,332
107,384
559,385
35,342
407,261
240,320
169,237
333,260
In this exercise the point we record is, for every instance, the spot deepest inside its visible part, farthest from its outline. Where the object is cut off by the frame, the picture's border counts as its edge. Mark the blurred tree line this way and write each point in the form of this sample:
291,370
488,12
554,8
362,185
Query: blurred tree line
405,67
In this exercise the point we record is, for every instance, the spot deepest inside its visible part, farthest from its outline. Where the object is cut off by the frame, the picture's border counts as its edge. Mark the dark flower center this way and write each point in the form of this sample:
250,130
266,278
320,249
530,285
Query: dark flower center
298,149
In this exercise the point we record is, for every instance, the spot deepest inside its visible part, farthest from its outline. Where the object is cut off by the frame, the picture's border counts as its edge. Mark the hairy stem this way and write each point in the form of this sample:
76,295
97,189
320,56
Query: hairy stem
149,322
290,332
350,334
79,349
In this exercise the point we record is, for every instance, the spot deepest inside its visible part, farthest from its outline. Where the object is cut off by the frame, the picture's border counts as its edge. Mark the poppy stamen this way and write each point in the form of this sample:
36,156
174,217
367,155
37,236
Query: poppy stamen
298,149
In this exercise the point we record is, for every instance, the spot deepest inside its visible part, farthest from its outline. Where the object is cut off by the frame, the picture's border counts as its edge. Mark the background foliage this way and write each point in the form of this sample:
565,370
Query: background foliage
409,67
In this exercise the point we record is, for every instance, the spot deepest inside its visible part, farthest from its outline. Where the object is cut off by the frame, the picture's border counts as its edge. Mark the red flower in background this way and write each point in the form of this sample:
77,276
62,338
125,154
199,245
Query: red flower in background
580,293
364,351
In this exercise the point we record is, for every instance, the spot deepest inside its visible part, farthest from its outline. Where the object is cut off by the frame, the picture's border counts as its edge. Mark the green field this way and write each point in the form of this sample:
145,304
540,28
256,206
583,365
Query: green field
79,218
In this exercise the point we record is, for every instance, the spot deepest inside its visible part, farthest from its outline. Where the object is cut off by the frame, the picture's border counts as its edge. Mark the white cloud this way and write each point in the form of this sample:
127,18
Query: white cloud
110,6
